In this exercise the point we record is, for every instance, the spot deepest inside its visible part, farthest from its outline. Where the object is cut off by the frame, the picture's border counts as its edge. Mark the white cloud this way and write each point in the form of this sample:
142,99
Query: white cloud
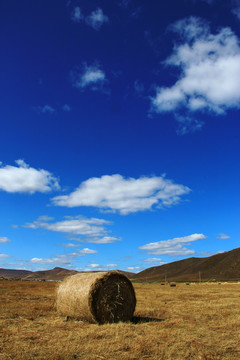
134,268
4,256
110,265
209,70
115,193
77,15
97,267
96,19
95,240
4,240
172,247
104,240
93,266
155,261
87,251
91,77
78,225
65,259
236,11
46,109
222,236
45,218
70,245
187,124
25,179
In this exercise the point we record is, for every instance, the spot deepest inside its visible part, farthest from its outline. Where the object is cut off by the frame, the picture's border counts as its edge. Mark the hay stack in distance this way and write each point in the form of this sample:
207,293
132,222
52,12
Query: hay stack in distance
102,297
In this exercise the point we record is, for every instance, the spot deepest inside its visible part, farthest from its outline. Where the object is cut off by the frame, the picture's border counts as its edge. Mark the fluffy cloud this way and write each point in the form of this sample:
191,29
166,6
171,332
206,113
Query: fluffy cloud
96,19
78,225
209,70
97,267
172,247
70,245
87,251
105,240
77,14
91,77
25,179
65,259
155,261
134,268
222,236
4,240
4,256
115,193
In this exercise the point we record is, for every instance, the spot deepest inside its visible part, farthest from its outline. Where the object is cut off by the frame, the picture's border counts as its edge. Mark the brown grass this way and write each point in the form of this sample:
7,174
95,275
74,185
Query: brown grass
200,321
102,297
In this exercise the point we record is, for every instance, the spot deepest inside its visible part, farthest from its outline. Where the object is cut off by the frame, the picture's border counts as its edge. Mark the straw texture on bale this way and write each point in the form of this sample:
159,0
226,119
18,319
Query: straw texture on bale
102,297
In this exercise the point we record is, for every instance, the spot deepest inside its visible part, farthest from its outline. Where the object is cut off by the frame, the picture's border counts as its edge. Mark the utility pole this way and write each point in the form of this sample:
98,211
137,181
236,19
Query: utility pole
165,279
199,276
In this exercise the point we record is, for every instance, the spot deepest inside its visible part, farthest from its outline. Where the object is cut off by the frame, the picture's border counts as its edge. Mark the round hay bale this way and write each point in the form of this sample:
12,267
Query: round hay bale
102,297
173,284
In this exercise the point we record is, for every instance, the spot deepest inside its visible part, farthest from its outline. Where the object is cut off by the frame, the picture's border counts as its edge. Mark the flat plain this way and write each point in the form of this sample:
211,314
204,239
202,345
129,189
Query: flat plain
196,321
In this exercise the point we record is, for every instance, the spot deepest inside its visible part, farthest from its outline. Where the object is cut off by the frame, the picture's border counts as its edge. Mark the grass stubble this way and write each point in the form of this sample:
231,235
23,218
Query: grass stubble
200,321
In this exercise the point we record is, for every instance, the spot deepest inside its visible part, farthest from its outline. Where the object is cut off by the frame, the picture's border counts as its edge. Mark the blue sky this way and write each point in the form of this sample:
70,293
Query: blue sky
119,141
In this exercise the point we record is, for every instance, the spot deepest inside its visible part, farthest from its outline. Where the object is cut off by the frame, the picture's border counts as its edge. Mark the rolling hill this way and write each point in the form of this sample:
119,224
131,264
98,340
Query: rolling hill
54,274
57,273
220,267
13,274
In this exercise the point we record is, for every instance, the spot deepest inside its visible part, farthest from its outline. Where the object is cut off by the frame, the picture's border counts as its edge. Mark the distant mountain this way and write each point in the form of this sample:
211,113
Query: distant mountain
220,267
13,274
55,274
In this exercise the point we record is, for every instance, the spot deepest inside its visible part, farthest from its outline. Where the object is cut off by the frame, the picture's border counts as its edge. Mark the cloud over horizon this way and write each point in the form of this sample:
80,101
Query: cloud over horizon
222,236
64,259
124,195
172,247
25,179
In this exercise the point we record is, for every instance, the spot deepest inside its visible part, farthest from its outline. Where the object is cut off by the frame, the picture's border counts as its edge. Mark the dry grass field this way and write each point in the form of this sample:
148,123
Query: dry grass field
200,321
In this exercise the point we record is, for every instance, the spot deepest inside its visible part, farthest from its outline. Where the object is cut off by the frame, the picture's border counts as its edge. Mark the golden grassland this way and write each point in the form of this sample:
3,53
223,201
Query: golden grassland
200,321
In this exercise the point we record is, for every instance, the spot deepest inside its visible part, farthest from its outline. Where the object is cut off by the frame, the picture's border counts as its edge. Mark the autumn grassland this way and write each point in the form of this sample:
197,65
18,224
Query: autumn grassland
199,321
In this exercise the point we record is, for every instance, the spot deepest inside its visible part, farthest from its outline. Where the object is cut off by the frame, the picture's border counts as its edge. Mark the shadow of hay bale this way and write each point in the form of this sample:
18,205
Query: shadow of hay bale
142,319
